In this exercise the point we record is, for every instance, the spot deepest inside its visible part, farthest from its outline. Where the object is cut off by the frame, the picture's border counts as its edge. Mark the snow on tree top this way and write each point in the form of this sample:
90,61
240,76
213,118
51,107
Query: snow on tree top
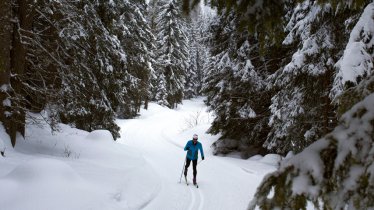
357,60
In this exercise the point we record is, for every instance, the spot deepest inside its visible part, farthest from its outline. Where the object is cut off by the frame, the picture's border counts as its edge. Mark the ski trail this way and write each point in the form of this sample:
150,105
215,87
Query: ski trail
197,201
150,142
225,183
201,204
247,170
163,133
168,139
153,195
193,200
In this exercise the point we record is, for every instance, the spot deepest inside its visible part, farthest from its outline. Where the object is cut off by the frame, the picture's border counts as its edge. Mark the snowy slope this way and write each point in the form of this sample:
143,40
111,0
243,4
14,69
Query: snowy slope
224,183
74,169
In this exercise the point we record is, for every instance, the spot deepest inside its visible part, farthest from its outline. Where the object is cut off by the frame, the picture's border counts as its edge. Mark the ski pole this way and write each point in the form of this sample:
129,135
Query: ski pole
184,164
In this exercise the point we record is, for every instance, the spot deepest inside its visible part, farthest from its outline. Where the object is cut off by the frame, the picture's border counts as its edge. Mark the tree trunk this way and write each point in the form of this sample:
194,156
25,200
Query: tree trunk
5,60
24,17
5,43
12,60
146,101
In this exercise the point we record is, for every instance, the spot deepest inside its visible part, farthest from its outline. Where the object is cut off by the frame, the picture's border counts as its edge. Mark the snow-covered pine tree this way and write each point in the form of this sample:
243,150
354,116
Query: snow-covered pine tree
157,88
234,82
357,62
301,107
336,172
138,41
94,80
218,69
191,83
205,18
86,57
264,19
236,91
79,50
172,53
302,110
198,35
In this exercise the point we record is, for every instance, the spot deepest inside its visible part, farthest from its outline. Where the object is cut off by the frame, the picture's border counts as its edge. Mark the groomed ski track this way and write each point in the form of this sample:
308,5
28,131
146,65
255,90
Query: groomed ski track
160,135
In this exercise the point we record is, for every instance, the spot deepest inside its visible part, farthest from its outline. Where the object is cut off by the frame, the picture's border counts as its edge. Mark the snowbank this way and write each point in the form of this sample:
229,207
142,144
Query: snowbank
46,184
73,169
256,157
3,138
100,135
271,159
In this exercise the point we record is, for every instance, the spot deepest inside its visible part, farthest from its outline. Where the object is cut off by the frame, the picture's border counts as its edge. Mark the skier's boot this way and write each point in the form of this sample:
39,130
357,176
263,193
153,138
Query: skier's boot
194,180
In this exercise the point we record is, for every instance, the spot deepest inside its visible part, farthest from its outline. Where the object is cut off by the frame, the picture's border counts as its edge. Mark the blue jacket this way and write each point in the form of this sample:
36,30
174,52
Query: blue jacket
192,153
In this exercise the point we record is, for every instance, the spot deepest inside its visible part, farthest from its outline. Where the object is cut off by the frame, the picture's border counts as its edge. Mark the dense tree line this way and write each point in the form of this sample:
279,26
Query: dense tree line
273,78
340,173
86,63
315,59
279,75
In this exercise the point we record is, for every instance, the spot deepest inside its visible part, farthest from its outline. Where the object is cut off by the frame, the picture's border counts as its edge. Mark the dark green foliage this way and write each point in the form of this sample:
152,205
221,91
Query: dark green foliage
139,45
188,5
263,19
341,4
172,52
302,110
354,95
198,53
235,88
301,106
304,41
87,62
341,164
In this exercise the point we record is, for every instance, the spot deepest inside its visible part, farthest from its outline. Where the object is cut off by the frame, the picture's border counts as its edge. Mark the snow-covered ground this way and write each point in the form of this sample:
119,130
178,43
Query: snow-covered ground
74,169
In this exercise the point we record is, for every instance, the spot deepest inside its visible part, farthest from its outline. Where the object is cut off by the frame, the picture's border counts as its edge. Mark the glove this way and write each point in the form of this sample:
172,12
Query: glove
202,157
188,148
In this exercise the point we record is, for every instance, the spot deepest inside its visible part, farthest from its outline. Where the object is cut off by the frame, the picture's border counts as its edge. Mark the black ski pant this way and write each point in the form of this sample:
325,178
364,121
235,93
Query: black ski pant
194,164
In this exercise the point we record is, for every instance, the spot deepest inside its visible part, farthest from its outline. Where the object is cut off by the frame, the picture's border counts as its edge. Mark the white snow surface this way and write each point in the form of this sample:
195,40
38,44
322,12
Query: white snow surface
75,169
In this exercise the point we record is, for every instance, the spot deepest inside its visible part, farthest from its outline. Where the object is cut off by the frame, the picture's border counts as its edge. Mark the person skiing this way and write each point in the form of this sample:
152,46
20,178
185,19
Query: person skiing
192,148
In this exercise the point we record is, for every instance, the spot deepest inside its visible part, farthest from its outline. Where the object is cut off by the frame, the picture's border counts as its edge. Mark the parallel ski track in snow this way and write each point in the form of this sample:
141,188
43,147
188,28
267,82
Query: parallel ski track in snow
151,198
197,198
168,140
193,200
193,190
161,144
201,204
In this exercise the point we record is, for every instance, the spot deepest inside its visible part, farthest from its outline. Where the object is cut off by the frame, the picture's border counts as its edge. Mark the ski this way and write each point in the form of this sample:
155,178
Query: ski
187,183
195,184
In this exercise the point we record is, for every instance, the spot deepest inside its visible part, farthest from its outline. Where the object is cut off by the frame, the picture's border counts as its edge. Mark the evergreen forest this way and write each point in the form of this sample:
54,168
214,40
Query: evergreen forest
291,77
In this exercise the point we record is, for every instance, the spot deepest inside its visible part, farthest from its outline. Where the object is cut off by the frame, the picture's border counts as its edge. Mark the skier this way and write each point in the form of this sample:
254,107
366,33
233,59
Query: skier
192,148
